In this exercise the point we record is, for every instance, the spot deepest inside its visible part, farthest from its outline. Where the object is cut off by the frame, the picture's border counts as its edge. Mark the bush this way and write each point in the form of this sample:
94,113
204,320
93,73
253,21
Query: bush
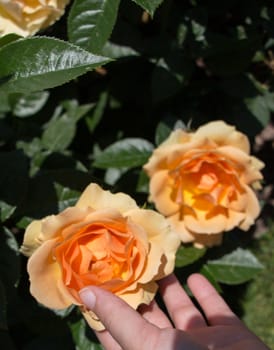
89,98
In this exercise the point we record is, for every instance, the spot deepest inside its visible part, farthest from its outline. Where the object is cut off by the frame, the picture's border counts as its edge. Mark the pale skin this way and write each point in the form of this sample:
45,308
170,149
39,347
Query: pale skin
149,328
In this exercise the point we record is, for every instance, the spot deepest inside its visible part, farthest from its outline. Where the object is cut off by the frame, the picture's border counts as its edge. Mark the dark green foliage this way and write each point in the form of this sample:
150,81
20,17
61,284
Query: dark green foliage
88,99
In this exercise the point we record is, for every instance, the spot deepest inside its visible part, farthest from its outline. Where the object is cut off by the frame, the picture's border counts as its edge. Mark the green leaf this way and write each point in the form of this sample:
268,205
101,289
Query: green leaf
40,63
30,104
91,22
258,106
162,133
112,175
143,182
94,119
235,268
61,129
127,153
6,210
59,134
187,255
207,273
4,102
24,222
4,40
149,5
80,336
115,51
66,196
75,111
62,313
34,150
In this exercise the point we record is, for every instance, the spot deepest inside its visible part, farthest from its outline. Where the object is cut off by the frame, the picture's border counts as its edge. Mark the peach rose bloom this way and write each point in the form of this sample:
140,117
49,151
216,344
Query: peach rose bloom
26,17
105,240
203,182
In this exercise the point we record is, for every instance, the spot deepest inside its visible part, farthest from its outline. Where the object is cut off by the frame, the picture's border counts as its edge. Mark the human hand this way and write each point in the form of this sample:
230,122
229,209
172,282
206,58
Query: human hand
151,329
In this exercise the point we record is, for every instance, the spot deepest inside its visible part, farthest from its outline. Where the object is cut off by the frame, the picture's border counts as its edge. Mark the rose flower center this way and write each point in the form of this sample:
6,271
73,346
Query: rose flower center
205,182
109,256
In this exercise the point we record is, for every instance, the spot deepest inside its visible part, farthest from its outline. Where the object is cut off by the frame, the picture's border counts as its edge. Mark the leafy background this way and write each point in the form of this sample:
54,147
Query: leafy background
89,98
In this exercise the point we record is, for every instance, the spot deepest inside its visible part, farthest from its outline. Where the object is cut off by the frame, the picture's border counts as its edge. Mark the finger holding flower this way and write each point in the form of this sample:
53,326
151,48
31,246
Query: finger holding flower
204,182
106,240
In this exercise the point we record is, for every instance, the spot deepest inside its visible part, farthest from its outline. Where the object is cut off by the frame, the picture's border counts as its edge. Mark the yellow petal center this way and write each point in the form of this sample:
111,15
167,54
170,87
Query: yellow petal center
205,182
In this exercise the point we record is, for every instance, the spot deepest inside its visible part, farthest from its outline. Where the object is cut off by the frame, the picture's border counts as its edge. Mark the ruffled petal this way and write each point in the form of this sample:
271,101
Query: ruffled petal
46,284
223,134
95,197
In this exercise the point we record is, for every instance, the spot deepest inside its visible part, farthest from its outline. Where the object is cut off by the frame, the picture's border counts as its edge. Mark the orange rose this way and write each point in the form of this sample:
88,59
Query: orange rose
105,240
202,181
26,17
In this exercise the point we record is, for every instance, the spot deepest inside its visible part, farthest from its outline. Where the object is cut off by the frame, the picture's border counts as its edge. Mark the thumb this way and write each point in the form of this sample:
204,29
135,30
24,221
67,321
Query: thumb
120,319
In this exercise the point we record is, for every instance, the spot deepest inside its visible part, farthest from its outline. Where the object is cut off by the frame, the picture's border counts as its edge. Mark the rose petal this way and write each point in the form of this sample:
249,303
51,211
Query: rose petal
31,238
75,223
92,320
26,18
52,225
243,163
163,244
252,209
170,156
160,193
179,227
46,283
223,134
143,294
95,197
216,223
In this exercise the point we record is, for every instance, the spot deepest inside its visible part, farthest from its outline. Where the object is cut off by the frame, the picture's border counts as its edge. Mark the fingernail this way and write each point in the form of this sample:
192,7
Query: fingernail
88,297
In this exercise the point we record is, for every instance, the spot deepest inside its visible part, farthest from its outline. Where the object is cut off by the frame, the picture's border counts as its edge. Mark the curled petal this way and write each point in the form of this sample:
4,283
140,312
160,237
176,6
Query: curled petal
245,165
179,227
160,192
143,294
31,238
163,244
252,209
52,225
92,320
46,283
